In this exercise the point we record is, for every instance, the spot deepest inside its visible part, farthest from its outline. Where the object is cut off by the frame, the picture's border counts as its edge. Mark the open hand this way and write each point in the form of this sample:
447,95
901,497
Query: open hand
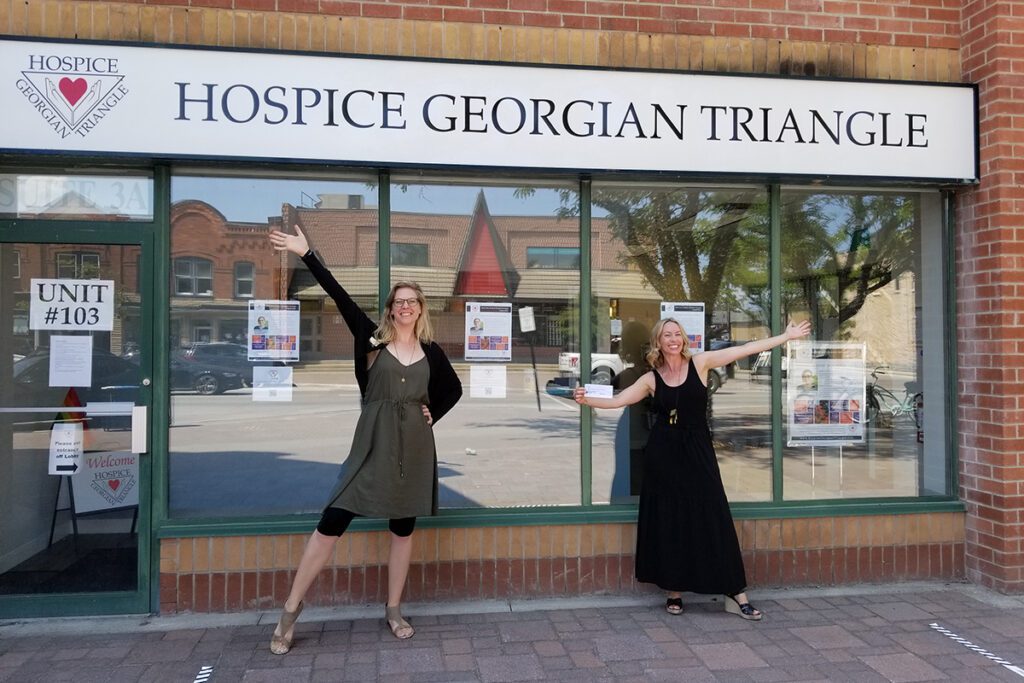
798,330
426,414
296,243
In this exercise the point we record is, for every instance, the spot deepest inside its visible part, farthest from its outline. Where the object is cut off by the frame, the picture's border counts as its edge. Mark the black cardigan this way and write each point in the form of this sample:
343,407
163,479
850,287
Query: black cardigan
444,389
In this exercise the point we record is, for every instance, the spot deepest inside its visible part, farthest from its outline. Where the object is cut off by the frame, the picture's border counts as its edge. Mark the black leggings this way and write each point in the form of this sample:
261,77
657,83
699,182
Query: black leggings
334,521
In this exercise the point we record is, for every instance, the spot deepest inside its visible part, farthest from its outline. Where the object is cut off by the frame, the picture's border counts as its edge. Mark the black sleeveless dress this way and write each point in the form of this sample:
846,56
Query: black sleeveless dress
685,538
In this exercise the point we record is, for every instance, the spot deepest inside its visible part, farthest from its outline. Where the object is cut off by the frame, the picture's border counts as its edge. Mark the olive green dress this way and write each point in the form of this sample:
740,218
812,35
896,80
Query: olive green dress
391,470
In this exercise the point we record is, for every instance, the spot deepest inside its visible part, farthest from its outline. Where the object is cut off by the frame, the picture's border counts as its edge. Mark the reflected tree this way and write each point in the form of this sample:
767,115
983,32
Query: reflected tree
840,248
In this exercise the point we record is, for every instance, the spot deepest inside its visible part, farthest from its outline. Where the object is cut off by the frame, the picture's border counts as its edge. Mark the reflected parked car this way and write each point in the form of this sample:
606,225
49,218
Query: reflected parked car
211,368
114,380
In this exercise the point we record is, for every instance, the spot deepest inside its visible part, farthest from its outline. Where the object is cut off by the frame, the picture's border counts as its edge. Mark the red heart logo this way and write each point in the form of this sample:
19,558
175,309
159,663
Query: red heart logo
73,89
113,484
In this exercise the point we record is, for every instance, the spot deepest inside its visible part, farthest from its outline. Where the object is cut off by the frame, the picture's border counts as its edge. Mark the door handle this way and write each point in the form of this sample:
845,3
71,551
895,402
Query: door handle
140,429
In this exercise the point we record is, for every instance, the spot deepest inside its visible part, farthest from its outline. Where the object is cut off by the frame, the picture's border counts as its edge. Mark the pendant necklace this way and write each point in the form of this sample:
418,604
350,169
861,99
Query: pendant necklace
398,355
673,415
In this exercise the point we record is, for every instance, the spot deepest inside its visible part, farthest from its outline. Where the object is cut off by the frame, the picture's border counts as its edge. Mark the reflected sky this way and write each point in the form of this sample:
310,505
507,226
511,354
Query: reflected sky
256,199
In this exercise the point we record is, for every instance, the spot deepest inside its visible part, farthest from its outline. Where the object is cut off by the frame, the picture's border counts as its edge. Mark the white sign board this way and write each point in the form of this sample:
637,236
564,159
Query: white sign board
66,446
107,481
527,323
487,381
825,387
689,314
158,101
488,331
70,360
271,384
59,304
273,330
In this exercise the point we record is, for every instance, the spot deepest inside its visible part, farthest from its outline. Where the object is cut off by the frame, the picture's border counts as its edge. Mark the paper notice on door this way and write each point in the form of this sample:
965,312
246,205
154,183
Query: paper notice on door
70,361
66,441
271,384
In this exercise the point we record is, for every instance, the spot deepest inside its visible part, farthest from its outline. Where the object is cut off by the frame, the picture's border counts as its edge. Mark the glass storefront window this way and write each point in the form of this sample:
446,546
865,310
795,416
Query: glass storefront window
498,448
236,449
58,196
654,244
866,268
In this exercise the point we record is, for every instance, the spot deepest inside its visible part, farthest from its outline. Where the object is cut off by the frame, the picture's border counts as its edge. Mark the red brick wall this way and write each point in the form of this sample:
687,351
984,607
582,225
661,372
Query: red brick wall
916,23
990,288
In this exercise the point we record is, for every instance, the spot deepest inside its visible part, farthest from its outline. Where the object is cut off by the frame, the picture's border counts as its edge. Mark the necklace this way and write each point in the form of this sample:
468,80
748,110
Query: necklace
673,414
398,355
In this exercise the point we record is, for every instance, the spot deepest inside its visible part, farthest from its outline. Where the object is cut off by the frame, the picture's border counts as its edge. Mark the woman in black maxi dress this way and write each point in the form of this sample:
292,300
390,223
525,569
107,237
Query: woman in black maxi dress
686,540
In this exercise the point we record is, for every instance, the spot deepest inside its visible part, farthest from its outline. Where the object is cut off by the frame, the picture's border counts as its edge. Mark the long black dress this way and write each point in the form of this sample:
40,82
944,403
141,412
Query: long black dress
685,537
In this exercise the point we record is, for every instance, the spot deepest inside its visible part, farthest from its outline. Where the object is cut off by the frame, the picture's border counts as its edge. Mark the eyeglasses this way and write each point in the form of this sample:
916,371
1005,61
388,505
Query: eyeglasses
402,303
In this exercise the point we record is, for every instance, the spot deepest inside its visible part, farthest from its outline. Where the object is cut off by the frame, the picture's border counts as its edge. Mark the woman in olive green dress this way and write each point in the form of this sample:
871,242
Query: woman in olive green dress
407,384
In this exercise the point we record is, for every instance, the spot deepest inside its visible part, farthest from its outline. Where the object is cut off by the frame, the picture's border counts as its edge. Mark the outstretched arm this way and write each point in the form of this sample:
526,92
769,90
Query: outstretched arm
634,393
722,357
358,322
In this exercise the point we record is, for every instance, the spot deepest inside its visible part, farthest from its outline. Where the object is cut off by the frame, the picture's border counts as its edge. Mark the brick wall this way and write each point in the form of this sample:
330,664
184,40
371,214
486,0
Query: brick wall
921,44
922,23
990,284
254,572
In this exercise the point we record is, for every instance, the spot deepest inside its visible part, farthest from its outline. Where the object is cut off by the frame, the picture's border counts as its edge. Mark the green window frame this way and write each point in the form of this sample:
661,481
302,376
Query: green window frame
586,512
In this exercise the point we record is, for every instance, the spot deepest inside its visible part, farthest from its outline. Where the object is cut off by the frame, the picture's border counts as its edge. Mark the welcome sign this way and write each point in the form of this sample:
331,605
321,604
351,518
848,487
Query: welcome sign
184,103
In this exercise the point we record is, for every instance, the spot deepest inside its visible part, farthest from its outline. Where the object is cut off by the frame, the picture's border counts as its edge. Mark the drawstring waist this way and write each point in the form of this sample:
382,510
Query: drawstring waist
400,406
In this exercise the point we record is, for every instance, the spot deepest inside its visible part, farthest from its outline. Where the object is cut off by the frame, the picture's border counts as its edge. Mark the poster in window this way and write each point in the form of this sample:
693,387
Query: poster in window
690,315
488,331
825,391
273,330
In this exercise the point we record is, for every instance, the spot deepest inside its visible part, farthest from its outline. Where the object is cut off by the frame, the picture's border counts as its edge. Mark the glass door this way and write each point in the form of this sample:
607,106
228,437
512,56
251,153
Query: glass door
75,390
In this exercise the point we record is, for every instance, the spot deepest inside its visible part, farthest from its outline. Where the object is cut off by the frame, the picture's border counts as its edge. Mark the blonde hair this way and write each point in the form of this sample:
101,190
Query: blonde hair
385,332
654,357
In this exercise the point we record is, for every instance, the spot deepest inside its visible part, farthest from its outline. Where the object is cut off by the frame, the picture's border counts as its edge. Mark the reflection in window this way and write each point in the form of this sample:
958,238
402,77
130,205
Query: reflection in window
193,276
851,261
478,236
245,274
78,265
553,257
403,254
670,244
231,427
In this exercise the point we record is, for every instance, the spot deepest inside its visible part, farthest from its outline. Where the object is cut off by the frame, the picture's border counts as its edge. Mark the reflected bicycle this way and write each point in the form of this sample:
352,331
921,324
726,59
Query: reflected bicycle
883,403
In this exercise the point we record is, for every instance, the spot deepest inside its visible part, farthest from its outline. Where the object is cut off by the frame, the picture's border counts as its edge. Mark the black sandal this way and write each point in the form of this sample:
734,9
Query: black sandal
674,606
743,610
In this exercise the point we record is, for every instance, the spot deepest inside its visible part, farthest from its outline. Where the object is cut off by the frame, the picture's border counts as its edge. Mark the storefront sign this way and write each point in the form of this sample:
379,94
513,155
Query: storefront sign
114,99
107,481
59,304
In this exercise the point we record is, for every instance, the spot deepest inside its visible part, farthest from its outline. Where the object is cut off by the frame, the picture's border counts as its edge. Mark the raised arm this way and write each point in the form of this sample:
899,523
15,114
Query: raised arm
722,357
634,393
358,322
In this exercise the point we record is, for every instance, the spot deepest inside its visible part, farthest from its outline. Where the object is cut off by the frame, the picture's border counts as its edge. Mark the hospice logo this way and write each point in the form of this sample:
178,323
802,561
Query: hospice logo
72,94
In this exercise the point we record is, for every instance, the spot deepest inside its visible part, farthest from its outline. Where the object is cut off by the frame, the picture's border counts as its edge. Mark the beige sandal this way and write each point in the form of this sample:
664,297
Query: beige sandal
280,645
400,628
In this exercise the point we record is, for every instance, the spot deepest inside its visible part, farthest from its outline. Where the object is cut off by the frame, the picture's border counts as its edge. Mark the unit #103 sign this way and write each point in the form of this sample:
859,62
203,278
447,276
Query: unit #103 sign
61,304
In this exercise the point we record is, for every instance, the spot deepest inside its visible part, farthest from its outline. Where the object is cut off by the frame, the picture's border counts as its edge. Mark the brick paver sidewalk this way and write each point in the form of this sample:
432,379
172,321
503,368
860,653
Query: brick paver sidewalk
896,632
